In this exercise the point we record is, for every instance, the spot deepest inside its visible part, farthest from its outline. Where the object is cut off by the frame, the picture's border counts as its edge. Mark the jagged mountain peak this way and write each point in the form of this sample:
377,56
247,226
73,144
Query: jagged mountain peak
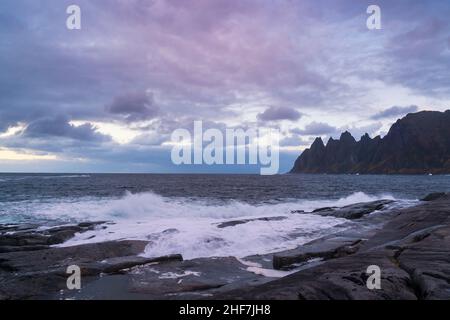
318,143
419,143
346,137
366,137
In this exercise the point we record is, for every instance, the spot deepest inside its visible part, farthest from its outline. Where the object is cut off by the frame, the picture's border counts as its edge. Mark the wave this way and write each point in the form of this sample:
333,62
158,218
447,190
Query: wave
149,205
189,227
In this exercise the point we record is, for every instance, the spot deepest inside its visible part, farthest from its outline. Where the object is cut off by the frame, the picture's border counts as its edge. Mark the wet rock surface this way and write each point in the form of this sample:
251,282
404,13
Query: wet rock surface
410,246
434,196
333,248
243,221
339,279
194,279
36,274
354,211
412,251
31,237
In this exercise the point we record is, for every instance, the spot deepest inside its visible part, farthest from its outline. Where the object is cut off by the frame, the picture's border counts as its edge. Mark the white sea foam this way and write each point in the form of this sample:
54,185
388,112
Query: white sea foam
270,273
65,176
174,275
144,206
189,227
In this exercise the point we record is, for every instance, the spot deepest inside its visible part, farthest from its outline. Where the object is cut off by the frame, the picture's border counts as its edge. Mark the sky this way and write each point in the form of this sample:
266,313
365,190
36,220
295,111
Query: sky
107,97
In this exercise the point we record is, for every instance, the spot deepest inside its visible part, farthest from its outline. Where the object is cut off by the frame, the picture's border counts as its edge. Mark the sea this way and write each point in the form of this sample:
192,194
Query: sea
181,213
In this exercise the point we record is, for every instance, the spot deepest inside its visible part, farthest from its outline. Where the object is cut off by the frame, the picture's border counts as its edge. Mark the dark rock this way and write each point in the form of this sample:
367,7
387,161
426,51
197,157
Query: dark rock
354,211
4,249
23,239
412,251
417,144
339,279
14,228
61,236
435,196
120,263
32,238
238,222
65,256
328,249
34,274
85,225
324,209
193,279
428,264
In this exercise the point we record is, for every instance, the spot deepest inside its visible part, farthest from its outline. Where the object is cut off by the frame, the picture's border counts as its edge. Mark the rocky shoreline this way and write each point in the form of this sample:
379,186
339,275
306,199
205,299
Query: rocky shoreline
411,246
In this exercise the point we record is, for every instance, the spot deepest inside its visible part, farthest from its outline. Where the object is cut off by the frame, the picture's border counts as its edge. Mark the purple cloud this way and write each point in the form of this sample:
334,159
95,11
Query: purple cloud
279,113
393,112
135,106
316,129
59,126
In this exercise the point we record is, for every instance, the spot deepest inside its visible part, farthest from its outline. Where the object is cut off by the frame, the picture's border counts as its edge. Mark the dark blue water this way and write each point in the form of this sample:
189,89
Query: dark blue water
246,188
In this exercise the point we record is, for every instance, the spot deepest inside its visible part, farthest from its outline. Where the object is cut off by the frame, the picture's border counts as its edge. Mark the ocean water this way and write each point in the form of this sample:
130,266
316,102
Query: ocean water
180,213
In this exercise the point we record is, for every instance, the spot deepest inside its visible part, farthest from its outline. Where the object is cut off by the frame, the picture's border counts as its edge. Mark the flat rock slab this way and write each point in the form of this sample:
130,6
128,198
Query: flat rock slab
65,256
30,237
119,264
28,275
354,211
412,251
410,224
243,221
436,196
339,279
427,260
324,249
194,279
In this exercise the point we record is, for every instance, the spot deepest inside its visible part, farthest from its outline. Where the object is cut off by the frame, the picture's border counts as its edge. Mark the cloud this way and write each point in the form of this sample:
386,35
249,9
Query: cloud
135,106
393,112
359,131
150,139
419,54
60,127
316,129
294,141
279,113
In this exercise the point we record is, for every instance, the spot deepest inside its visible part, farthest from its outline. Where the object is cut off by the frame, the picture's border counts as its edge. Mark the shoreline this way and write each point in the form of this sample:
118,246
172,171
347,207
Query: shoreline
331,267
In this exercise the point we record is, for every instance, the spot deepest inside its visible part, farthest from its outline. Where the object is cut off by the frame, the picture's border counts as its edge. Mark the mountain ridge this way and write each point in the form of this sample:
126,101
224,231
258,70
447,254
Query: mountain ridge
419,143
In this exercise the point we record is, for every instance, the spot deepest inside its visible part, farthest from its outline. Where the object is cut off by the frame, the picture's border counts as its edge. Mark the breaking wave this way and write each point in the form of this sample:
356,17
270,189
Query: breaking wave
190,227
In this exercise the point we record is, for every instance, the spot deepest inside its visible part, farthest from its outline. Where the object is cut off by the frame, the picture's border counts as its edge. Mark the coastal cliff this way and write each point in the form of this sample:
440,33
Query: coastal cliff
416,144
